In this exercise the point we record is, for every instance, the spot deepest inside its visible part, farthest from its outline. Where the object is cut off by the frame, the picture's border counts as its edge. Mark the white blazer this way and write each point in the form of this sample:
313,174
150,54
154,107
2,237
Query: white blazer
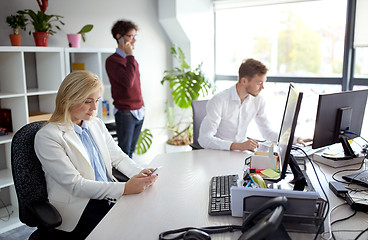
68,171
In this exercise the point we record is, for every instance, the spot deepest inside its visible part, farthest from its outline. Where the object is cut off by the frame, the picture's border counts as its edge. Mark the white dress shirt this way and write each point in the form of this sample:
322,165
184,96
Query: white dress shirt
227,120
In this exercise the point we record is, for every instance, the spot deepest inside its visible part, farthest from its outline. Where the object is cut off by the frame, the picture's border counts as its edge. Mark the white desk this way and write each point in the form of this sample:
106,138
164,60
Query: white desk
179,198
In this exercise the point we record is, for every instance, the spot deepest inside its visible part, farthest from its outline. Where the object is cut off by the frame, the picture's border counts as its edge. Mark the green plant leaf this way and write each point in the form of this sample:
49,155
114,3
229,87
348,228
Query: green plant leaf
86,28
17,21
186,84
144,142
43,22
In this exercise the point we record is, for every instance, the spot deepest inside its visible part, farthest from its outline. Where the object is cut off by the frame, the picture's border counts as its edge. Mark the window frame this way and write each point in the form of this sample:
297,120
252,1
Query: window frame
347,81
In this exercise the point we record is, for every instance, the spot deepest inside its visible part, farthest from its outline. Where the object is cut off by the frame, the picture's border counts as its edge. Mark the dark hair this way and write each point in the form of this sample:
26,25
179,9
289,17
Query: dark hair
122,27
251,67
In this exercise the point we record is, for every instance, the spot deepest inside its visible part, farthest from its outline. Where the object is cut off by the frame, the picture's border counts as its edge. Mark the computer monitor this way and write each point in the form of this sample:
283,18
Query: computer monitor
287,130
336,113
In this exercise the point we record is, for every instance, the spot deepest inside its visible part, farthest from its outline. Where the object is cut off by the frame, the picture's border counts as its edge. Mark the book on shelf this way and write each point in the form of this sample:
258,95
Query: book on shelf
6,124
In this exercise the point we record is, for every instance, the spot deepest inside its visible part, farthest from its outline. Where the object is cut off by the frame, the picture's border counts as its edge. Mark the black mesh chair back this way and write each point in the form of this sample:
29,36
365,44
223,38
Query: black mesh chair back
29,178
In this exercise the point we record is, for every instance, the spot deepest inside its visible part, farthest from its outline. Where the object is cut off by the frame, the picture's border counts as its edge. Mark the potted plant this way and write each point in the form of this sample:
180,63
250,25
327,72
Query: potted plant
43,25
74,38
187,85
16,22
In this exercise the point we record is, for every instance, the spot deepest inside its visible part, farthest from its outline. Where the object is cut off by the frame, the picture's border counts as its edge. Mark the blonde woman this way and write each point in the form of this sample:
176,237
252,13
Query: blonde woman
77,154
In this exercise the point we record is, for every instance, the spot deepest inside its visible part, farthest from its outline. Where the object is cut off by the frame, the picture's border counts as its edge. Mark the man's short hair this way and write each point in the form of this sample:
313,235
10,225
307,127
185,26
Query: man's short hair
251,67
122,27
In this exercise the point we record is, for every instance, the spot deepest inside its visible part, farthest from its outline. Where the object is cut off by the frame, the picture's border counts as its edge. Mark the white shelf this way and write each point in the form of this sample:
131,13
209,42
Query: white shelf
6,178
9,95
6,138
29,80
32,92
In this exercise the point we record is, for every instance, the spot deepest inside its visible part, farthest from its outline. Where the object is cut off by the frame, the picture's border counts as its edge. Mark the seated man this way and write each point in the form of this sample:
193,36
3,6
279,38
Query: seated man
230,112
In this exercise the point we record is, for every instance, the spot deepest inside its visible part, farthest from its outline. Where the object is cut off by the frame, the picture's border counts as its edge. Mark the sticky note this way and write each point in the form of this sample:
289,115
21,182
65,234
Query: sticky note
270,173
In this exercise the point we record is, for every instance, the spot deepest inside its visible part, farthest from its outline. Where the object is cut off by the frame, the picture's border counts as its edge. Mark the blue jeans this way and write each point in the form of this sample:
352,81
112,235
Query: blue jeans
128,129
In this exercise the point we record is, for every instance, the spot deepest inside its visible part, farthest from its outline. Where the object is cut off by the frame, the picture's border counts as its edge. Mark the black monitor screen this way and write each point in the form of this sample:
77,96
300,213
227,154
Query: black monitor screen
288,125
337,112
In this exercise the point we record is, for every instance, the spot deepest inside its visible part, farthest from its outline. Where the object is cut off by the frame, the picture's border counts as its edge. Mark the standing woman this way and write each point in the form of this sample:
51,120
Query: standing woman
77,154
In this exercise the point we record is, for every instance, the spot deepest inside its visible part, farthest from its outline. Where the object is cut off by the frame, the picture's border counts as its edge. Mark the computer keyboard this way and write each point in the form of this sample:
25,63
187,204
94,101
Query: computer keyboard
219,195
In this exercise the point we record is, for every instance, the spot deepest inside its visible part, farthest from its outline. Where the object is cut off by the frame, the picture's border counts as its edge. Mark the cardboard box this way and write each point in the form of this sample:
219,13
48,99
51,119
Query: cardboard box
78,66
39,116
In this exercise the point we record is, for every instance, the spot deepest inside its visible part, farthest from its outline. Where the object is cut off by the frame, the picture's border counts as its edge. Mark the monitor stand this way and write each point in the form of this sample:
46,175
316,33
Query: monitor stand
345,155
348,151
299,180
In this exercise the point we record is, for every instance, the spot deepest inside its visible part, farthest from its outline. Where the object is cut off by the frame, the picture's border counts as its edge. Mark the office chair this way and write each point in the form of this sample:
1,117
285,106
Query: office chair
30,185
199,112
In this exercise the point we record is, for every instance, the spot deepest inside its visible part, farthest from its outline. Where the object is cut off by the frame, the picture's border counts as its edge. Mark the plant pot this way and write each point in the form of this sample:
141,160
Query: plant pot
74,40
15,39
41,38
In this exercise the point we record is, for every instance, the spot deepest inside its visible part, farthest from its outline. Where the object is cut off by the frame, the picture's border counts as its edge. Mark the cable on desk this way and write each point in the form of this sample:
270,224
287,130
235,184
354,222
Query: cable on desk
360,234
347,170
345,218
329,219
353,133
329,214
342,219
357,190
343,231
329,223
319,182
9,213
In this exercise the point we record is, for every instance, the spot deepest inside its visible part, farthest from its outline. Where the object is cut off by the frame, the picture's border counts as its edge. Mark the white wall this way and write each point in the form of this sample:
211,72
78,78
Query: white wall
190,25
152,47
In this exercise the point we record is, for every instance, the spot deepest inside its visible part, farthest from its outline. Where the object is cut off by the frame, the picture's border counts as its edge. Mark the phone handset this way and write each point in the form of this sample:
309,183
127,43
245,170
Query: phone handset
269,223
265,227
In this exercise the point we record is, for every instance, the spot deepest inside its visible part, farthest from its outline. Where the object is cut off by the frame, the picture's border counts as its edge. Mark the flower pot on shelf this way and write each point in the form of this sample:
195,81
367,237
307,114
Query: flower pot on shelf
15,39
41,38
74,40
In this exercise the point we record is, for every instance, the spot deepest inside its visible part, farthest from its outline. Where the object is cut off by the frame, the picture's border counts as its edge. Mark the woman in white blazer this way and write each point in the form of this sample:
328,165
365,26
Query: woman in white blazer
77,154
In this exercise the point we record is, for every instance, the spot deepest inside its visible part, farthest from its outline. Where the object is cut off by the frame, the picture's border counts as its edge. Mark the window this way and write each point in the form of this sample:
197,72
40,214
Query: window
303,39
361,62
295,40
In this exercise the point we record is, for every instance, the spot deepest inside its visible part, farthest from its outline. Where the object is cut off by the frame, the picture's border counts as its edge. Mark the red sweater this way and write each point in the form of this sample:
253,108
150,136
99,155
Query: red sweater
125,82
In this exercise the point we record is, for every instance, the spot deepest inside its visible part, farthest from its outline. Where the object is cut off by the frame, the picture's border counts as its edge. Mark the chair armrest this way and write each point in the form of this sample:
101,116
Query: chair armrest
195,146
119,176
45,213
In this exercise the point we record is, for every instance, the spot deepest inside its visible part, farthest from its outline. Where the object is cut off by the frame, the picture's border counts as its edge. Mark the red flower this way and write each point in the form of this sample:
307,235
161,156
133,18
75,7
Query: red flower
43,4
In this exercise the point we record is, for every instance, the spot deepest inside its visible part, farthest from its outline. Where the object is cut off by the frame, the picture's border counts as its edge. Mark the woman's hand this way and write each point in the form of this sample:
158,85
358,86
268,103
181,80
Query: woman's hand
140,182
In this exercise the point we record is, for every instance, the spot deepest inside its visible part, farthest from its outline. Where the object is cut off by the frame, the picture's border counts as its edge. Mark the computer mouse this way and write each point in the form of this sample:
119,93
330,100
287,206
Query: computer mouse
195,234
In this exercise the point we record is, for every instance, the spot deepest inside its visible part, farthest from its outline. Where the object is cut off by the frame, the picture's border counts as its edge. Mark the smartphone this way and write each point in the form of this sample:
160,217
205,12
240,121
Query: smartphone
121,39
155,171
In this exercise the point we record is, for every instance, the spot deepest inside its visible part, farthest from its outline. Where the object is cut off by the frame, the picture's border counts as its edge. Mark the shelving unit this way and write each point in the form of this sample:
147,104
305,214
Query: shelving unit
94,61
29,80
